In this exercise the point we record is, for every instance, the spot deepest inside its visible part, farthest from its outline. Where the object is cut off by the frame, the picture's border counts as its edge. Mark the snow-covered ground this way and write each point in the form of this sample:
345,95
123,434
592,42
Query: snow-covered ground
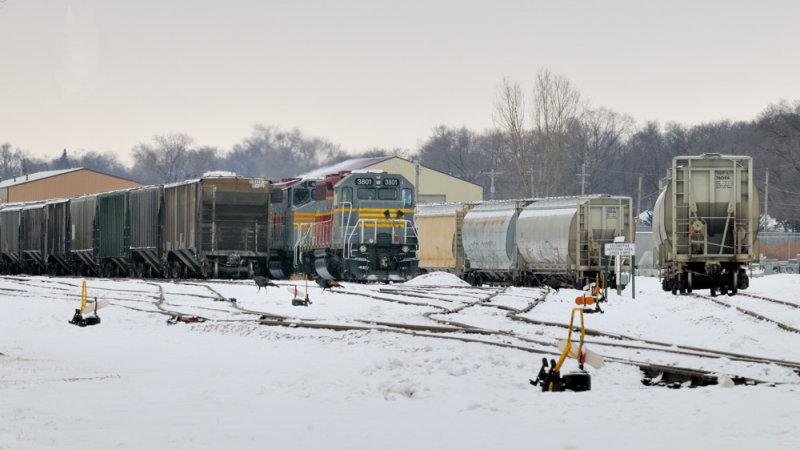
230,382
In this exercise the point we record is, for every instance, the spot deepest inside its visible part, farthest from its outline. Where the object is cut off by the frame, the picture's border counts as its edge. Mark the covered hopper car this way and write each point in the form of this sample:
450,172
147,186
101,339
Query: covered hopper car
440,228
705,223
524,242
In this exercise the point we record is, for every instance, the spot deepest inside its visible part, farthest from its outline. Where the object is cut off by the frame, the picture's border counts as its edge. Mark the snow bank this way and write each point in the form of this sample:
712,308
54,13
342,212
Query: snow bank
436,279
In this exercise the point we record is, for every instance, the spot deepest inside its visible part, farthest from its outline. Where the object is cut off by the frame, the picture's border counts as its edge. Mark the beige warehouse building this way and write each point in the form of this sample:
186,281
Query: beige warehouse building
60,184
432,185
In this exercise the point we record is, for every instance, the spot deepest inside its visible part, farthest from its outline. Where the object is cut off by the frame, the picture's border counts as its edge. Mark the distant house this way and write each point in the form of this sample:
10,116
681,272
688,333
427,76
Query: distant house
431,185
60,184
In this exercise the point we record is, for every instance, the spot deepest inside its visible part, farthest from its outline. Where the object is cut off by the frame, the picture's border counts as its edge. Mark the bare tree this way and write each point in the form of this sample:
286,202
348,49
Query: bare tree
779,140
165,161
509,118
10,161
599,137
556,109
202,160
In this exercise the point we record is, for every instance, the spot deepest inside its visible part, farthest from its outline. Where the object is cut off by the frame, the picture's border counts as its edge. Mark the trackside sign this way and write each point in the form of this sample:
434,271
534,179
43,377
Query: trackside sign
620,249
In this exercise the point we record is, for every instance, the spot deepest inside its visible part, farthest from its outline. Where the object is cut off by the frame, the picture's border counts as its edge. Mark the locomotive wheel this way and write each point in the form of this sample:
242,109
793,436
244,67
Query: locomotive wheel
735,284
689,282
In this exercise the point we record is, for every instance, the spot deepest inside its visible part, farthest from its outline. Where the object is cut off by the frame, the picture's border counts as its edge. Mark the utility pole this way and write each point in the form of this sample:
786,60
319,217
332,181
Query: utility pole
491,188
639,201
583,176
530,193
416,178
766,199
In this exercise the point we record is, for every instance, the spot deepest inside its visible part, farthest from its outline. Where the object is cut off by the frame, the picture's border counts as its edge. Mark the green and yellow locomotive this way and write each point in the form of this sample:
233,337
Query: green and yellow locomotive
345,226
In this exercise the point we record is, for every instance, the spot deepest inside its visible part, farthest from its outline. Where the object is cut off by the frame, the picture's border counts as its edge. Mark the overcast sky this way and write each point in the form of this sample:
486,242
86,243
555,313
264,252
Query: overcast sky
106,75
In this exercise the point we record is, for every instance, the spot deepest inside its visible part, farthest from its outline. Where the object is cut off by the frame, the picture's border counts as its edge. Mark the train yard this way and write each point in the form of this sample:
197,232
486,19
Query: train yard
495,316
434,343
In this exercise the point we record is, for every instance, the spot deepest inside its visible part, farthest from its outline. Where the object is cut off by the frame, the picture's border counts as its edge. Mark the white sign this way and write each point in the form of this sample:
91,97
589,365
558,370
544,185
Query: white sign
619,249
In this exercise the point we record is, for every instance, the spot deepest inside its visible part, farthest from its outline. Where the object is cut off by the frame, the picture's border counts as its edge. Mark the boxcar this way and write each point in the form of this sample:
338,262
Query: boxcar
216,226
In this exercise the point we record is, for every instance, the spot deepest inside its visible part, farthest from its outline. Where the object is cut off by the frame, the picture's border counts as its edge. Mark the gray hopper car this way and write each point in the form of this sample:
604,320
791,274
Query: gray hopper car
705,223
57,239
146,209
565,237
217,225
524,242
32,242
9,237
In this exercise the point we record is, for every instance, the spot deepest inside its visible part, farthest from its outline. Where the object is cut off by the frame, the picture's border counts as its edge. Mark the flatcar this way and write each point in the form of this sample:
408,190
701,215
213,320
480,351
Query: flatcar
705,223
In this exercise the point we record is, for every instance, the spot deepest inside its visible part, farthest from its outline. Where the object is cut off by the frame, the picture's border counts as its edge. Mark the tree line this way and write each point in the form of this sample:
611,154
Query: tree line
546,141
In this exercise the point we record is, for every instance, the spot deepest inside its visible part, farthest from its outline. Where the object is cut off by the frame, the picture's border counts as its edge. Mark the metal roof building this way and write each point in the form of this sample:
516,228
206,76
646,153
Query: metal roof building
431,185
60,184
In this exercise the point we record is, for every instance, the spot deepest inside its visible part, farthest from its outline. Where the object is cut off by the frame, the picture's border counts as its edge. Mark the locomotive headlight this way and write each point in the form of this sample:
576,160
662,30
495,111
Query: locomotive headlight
362,249
404,249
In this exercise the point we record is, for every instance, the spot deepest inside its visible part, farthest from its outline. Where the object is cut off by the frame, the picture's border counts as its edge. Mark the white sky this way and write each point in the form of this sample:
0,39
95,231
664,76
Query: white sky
107,75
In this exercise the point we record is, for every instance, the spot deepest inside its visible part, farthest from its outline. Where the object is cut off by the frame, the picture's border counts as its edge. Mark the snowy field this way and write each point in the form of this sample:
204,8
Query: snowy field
302,381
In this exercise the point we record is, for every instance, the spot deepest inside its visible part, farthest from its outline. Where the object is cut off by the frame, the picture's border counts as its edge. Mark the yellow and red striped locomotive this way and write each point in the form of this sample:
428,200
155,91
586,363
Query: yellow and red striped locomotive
345,226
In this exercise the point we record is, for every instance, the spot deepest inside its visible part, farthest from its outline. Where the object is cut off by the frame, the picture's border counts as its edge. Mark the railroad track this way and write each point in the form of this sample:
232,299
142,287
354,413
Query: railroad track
751,313
768,299
442,325
631,343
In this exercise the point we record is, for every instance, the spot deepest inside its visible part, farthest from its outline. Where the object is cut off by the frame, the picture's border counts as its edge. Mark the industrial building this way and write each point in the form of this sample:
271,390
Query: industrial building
60,184
431,185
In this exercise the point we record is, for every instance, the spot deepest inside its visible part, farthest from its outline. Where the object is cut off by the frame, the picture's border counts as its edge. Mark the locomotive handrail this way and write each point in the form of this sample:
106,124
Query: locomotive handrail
361,225
301,236
349,207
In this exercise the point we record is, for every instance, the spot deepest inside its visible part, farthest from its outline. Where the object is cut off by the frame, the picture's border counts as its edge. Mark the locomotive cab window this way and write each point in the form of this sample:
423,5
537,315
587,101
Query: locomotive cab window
387,194
300,197
347,195
366,193
408,197
276,196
